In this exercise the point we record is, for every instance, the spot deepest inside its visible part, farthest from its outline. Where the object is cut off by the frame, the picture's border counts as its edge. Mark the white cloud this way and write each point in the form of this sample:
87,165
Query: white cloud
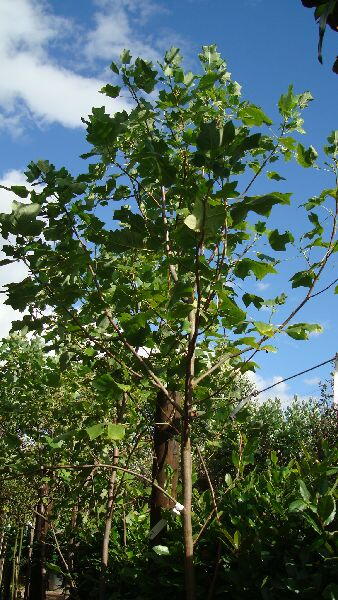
32,82
117,26
43,58
312,381
281,391
262,286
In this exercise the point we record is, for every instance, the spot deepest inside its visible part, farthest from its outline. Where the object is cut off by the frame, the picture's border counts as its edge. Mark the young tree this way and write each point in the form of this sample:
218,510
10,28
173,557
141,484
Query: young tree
143,257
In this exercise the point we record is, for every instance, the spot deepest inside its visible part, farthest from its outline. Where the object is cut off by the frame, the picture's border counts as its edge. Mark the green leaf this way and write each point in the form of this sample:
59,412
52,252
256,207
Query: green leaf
237,539
312,522
326,509
112,91
275,176
211,59
115,431
114,68
332,147
257,301
102,129
253,116
259,269
53,378
125,57
265,328
207,217
20,190
336,289
161,550
212,136
103,383
301,331
278,240
298,505
95,430
304,491
304,99
269,348
144,75
302,279
306,158
230,313
173,57
287,102
261,205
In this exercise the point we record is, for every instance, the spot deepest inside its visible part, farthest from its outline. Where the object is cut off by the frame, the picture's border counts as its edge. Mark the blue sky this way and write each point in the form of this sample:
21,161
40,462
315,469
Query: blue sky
54,56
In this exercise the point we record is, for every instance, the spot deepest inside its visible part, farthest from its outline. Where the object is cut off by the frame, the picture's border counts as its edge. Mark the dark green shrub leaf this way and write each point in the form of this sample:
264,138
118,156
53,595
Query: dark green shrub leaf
326,509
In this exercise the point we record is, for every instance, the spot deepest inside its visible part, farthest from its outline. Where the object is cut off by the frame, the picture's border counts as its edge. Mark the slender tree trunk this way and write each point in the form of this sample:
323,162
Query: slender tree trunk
107,528
14,562
3,546
38,584
29,559
73,524
186,456
7,578
166,456
187,498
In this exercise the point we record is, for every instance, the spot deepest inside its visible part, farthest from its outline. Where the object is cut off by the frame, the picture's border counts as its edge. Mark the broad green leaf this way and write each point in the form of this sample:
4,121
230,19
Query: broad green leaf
332,147
304,99
125,57
94,431
278,240
20,190
265,328
304,491
206,217
210,58
114,68
312,522
53,378
306,158
253,116
112,91
326,509
269,348
103,383
144,75
237,539
303,279
261,205
287,102
298,505
161,550
212,137
259,269
115,431
275,176
230,313
257,301
301,331
173,57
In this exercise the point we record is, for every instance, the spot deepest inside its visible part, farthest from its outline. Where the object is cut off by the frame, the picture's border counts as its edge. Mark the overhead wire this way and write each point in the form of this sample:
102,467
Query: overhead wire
256,393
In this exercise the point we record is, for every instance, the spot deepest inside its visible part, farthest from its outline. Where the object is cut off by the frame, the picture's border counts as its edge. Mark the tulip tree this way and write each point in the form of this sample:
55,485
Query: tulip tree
148,258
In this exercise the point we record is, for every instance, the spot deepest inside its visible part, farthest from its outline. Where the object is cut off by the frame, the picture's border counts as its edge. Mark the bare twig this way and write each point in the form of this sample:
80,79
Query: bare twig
113,467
